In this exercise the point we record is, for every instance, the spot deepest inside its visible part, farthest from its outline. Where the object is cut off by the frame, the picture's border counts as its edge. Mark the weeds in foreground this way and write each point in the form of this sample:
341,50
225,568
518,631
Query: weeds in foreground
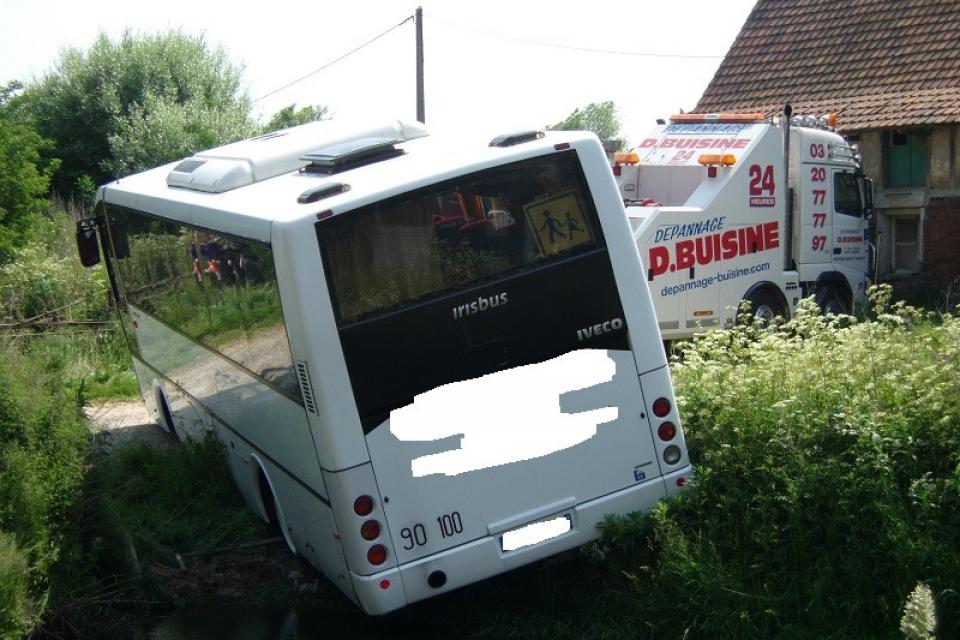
919,619
828,480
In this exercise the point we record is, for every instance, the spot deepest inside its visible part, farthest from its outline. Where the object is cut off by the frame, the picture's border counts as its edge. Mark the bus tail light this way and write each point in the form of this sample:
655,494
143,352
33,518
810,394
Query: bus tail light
370,530
363,506
377,554
667,431
671,455
661,407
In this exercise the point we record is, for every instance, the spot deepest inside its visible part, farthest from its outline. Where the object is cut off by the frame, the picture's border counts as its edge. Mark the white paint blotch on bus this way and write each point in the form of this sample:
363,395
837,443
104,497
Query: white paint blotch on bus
511,415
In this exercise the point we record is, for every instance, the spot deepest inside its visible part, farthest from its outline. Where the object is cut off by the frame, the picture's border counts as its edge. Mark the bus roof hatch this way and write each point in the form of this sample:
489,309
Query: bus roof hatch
353,153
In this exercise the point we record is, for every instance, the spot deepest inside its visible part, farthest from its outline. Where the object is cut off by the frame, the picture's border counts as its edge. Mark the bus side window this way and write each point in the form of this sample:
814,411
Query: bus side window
217,290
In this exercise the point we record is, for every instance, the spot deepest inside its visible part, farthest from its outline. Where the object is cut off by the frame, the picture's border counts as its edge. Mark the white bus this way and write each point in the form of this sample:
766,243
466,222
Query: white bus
429,361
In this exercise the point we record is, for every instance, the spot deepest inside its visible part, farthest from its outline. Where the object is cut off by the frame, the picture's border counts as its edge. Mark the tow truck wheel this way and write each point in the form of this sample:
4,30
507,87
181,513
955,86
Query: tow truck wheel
830,301
765,306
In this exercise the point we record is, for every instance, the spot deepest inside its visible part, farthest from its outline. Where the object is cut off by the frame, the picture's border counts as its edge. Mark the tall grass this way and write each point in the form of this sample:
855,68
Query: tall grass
43,443
140,506
828,481
93,366
174,500
15,609
49,367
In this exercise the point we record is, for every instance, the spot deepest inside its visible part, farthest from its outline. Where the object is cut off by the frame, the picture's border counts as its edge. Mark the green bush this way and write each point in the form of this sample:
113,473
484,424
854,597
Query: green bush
827,454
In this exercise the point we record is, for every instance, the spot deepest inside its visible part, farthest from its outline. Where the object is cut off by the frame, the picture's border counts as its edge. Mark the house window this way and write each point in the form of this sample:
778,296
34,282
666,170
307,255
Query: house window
907,158
906,243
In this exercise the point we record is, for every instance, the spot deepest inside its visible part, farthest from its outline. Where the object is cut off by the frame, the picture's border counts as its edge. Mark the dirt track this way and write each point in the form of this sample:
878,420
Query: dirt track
119,422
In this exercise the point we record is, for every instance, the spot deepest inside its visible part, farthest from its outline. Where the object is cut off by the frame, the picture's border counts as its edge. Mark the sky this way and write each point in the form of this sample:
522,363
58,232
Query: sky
482,70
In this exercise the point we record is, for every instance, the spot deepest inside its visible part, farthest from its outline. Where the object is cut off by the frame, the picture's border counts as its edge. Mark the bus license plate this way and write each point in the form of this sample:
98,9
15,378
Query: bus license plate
535,533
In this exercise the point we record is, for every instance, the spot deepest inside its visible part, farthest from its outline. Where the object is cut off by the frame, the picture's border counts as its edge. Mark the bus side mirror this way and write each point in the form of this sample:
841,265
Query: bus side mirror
87,245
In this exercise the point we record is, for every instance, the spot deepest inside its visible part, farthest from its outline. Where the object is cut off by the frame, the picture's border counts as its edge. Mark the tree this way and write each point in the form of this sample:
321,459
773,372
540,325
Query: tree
24,177
9,91
23,183
121,107
601,118
290,116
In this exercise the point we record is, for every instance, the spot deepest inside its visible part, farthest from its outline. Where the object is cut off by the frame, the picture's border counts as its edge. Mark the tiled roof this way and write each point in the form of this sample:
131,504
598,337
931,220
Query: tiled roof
878,63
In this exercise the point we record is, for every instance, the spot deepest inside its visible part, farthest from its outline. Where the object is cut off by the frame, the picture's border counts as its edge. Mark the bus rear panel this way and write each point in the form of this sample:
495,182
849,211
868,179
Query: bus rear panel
492,371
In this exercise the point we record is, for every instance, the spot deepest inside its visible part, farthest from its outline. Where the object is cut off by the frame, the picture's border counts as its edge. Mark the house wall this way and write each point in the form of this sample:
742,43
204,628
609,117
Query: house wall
941,223
942,172
935,207
941,251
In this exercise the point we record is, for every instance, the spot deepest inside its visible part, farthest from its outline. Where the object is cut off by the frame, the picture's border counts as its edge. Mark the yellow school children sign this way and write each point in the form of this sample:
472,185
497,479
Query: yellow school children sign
558,223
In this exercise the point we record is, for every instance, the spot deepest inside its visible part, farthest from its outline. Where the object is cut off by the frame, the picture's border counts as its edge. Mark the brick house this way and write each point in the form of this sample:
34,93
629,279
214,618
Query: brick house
890,69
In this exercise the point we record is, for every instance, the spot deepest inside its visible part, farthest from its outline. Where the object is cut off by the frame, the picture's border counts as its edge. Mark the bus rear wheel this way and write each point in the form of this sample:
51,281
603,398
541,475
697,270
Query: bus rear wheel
266,495
166,417
271,509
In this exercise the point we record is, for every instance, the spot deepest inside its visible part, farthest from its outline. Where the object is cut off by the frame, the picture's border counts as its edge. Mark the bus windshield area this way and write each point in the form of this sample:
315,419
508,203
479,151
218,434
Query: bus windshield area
457,234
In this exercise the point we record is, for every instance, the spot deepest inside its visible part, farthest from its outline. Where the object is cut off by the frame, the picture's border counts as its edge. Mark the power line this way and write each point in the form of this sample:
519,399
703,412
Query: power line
335,61
573,48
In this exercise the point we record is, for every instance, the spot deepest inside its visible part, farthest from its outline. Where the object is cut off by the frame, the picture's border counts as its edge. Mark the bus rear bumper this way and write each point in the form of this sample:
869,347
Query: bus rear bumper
468,563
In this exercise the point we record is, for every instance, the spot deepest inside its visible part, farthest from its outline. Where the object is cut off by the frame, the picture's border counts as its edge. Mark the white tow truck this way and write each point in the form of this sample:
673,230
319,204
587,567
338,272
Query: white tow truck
731,207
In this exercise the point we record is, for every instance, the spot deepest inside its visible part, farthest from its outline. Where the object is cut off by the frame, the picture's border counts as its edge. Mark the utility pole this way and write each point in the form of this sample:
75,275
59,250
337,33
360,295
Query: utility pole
419,20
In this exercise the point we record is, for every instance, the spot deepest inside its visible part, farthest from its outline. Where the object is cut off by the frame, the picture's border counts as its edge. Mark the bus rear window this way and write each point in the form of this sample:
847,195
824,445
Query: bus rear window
457,234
